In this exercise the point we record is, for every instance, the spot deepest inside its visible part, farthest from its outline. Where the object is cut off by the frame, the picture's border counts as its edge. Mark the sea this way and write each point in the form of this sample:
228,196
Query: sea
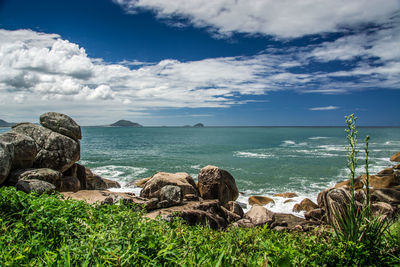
263,160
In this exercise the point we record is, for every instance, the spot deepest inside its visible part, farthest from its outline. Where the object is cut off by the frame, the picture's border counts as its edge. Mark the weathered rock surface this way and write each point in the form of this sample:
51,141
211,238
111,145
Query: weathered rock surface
235,207
315,215
395,157
54,150
260,200
79,172
61,124
292,223
69,184
44,174
259,215
358,184
204,212
37,186
382,180
161,179
139,183
382,208
215,183
23,149
111,183
5,163
286,195
387,195
305,205
170,195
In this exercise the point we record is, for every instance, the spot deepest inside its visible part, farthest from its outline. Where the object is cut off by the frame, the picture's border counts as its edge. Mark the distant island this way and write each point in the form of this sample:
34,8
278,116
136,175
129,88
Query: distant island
125,123
198,125
3,123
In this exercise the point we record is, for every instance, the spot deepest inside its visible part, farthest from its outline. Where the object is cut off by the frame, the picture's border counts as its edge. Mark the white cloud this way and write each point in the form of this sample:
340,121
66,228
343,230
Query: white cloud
324,108
283,18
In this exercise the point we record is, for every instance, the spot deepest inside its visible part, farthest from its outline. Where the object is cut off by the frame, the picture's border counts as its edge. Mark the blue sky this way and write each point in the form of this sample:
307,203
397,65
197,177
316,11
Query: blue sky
222,62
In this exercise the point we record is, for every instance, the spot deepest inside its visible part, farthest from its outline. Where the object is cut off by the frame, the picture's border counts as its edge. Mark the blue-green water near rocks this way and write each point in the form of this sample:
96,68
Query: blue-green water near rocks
264,160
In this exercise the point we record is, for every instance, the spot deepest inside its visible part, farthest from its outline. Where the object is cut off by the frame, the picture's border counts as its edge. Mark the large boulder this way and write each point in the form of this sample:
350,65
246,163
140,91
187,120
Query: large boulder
334,201
55,151
260,200
78,171
37,186
286,195
44,174
23,147
94,182
381,208
235,207
61,124
69,184
111,183
5,163
387,195
259,215
305,205
215,183
170,195
379,181
161,179
395,157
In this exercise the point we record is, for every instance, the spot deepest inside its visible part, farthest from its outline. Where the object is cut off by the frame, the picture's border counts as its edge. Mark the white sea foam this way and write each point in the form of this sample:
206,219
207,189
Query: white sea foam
318,137
243,154
333,148
288,143
121,174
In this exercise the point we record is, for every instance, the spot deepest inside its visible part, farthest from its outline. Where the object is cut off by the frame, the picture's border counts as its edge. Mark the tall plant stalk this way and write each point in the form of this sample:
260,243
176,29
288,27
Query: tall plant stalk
352,151
367,173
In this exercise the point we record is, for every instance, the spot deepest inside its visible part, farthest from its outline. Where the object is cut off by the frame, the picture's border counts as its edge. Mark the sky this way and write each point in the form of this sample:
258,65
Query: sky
220,62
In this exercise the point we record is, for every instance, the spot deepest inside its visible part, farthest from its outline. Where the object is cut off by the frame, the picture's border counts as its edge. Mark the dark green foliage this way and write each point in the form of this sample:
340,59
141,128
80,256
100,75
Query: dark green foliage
47,231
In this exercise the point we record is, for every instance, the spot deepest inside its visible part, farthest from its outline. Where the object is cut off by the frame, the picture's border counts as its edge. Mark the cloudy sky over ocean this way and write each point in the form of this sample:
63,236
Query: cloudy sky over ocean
222,62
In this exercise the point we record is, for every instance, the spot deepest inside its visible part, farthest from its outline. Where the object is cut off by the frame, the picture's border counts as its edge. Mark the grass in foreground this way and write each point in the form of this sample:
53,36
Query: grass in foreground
45,230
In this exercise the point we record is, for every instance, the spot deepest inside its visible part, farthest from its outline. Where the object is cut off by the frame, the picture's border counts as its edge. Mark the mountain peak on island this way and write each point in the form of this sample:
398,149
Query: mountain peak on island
3,123
198,125
125,123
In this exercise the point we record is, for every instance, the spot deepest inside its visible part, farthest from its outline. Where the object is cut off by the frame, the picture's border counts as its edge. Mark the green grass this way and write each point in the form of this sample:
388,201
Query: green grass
47,231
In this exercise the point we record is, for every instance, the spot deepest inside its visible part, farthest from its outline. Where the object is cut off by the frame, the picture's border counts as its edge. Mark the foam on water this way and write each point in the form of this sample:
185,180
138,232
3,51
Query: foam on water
318,137
243,154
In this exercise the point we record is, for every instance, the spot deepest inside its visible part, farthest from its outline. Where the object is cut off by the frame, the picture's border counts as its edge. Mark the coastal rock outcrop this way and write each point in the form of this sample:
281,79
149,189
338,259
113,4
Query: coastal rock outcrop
258,215
305,205
5,163
44,174
286,195
61,124
161,179
55,151
170,195
395,157
215,183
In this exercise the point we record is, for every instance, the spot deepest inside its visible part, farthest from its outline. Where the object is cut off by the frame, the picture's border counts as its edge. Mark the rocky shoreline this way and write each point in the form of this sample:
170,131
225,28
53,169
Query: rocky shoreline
43,159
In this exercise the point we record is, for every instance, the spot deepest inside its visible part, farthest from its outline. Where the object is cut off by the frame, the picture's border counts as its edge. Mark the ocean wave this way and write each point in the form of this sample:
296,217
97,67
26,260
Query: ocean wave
121,174
318,137
338,148
243,154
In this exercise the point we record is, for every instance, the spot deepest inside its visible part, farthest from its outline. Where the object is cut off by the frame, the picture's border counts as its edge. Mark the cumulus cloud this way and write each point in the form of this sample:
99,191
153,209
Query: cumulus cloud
324,108
283,18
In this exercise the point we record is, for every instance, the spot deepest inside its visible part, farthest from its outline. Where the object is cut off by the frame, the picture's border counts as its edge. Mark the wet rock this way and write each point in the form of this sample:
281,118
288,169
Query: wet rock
259,215
305,205
61,124
288,201
215,183
94,182
161,179
54,150
286,195
36,186
260,200
395,157
44,174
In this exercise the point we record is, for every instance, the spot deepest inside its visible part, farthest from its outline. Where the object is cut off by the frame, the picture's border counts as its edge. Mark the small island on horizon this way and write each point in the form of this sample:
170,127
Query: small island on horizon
3,123
125,123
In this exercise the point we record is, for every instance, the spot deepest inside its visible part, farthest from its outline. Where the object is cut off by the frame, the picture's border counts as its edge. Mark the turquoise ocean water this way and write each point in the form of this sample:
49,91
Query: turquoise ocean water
263,160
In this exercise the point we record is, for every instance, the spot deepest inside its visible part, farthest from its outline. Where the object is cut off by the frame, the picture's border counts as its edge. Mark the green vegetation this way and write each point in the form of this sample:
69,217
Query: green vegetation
45,230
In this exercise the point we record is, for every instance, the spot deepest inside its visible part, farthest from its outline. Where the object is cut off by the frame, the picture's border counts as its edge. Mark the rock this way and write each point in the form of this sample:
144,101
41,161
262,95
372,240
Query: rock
395,157
215,183
358,184
293,223
161,179
386,171
286,195
260,200
259,215
235,207
334,201
151,204
381,208
111,183
192,197
396,167
140,182
61,124
43,174
79,172
230,216
94,182
288,201
36,186
5,163
208,212
315,215
54,150
69,184
387,195
22,149
104,196
382,181
170,195
244,223
305,205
